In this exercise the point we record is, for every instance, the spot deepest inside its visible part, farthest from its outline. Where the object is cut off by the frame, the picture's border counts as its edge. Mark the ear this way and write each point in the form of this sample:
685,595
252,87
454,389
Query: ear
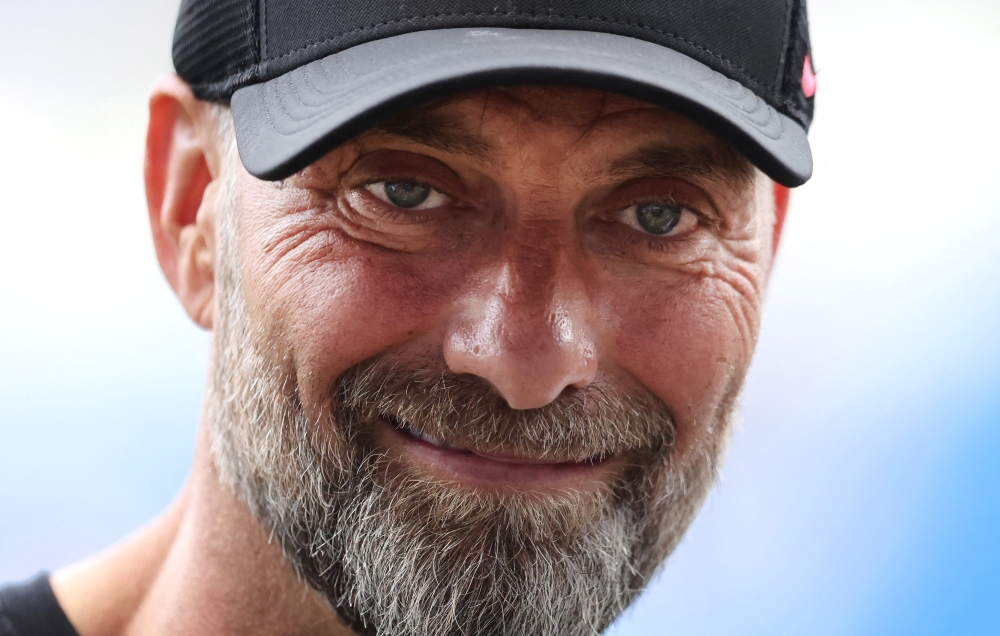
781,197
183,168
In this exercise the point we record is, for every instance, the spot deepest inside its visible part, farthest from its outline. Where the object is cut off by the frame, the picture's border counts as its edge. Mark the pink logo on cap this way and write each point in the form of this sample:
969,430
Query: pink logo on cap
808,78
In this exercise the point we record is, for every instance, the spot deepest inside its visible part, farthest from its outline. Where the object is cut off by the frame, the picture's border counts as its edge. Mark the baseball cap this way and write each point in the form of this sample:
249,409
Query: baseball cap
304,76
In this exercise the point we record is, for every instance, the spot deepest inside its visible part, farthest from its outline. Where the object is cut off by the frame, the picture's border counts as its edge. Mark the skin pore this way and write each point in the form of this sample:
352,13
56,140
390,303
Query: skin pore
550,242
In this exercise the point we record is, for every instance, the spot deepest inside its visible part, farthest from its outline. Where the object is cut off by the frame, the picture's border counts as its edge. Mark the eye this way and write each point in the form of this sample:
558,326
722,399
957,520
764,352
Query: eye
659,218
409,195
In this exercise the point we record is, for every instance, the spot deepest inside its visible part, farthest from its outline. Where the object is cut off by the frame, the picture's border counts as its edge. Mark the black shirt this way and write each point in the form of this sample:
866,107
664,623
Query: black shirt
31,609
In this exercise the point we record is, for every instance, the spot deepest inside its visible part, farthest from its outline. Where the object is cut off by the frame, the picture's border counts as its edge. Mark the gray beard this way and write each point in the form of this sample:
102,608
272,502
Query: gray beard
397,553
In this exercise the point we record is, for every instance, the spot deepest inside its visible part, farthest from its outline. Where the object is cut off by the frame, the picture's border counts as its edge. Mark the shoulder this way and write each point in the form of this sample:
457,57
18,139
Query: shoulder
31,609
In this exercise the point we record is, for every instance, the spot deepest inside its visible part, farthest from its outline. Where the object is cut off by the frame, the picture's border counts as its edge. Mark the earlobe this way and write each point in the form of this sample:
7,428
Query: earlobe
183,163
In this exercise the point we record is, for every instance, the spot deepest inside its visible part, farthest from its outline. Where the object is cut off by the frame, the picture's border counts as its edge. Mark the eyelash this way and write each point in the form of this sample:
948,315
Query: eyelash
664,245
402,217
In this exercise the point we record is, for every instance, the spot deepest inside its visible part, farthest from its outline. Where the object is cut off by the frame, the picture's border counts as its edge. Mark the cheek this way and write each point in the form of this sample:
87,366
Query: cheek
690,344
341,303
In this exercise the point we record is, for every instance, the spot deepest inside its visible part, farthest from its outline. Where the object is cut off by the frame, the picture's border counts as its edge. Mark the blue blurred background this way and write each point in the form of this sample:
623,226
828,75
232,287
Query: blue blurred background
862,493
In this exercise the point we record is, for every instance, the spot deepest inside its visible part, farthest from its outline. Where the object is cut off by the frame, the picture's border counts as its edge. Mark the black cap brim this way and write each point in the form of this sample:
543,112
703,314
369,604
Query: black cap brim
285,124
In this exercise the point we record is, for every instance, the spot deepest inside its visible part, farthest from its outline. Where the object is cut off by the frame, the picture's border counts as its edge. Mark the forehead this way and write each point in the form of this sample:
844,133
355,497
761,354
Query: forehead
592,124
577,110
554,105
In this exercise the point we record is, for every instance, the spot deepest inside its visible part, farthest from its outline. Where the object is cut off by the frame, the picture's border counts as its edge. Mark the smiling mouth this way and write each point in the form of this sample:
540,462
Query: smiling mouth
486,469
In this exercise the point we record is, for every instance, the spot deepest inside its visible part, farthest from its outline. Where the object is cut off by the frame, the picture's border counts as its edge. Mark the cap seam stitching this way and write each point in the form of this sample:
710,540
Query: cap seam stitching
785,42
263,32
253,36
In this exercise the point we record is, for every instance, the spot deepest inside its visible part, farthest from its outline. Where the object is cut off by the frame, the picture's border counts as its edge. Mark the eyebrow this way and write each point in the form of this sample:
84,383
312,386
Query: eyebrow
436,130
714,161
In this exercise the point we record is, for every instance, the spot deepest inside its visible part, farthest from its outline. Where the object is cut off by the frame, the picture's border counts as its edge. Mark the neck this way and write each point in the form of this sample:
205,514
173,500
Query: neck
207,566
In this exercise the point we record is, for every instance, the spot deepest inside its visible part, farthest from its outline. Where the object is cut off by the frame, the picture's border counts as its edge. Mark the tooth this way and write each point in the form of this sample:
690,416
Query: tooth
430,439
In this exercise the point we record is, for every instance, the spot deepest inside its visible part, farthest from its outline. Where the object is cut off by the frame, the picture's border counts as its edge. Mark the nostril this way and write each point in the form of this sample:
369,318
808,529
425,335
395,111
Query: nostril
530,352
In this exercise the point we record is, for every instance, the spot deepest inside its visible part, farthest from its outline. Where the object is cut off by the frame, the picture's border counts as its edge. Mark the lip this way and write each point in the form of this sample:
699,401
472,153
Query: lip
491,471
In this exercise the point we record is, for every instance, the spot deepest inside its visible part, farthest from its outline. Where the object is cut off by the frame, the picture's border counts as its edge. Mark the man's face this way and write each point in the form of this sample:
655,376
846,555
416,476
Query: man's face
476,367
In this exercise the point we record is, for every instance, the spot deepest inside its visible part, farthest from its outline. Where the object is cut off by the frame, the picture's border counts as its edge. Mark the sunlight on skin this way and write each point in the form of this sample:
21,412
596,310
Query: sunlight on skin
526,276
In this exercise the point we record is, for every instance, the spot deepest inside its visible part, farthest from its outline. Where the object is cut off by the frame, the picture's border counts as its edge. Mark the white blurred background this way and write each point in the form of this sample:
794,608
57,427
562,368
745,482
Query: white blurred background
862,495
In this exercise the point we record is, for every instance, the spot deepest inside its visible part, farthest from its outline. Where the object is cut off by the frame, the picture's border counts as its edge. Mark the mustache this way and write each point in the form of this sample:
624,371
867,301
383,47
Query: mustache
582,425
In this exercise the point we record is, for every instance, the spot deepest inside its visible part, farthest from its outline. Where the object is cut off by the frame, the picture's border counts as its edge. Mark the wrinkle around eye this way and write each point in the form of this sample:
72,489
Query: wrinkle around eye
397,229
364,209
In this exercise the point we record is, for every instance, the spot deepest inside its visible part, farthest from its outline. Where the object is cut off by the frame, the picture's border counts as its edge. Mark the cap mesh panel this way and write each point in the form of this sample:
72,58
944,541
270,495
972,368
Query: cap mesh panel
216,45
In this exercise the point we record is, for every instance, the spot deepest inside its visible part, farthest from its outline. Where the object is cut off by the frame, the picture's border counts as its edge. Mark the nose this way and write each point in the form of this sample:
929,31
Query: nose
526,329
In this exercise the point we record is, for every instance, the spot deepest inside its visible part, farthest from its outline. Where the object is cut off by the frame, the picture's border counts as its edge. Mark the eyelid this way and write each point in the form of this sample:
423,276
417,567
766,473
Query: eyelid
401,165
675,201
676,190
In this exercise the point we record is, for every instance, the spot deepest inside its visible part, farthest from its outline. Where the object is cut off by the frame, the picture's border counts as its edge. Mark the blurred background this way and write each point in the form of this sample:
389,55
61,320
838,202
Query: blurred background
862,493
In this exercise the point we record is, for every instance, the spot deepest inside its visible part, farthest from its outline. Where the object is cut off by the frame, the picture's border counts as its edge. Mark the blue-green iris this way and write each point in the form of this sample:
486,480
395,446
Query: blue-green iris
658,218
406,194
